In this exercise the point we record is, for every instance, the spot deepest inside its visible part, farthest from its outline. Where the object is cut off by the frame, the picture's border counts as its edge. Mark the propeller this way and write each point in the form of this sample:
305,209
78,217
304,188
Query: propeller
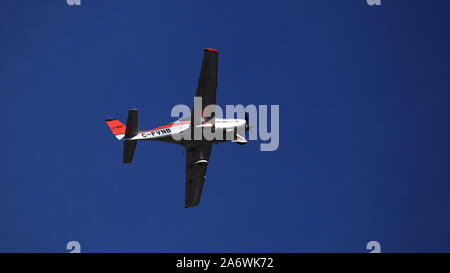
247,124
212,121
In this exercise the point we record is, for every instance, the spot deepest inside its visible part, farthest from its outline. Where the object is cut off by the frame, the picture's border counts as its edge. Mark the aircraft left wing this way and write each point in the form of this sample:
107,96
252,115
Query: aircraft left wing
207,83
195,173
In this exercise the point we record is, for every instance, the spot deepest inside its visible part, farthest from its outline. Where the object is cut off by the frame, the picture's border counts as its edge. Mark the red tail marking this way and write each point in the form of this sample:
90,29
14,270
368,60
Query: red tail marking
117,127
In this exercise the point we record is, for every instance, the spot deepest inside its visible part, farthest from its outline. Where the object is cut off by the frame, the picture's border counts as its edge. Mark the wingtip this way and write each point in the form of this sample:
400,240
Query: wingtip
212,50
186,206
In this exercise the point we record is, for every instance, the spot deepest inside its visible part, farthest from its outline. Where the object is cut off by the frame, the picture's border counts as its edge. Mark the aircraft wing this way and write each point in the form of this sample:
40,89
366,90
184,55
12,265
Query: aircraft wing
195,173
207,82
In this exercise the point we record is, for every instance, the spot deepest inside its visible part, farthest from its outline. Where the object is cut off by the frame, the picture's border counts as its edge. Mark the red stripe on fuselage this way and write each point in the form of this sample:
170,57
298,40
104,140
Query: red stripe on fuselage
166,126
171,125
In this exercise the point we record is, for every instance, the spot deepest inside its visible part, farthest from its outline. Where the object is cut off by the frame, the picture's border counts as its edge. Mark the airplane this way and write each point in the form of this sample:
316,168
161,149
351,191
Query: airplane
197,151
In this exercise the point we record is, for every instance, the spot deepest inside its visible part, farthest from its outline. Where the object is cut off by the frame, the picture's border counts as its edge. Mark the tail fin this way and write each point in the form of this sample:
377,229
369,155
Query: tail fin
123,132
117,128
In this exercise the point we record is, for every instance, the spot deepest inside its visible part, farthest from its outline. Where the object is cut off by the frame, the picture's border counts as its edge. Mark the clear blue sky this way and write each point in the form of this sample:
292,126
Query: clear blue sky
364,151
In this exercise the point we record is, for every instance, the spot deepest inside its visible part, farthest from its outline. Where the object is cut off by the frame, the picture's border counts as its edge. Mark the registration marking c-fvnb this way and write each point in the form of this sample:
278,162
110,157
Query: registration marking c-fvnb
157,132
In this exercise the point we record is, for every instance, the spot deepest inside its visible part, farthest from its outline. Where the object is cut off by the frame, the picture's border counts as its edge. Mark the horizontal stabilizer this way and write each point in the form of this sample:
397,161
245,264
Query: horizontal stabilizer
129,146
132,124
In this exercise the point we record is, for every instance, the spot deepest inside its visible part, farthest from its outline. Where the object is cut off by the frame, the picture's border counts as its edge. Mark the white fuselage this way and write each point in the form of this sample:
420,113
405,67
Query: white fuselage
172,132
